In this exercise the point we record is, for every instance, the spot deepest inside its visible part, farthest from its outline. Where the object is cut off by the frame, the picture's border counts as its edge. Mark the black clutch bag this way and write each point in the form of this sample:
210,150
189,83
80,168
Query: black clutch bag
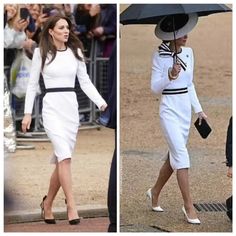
204,129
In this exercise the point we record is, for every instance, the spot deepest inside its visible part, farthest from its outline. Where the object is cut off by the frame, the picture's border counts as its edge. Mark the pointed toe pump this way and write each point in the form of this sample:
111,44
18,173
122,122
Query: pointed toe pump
149,196
191,221
73,221
48,221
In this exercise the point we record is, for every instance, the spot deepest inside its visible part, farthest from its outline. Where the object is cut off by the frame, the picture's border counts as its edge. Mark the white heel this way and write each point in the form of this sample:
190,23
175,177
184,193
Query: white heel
191,221
157,208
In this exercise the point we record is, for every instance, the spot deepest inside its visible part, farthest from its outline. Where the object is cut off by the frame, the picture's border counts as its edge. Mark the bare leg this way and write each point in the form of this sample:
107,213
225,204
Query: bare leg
54,186
164,174
183,181
64,173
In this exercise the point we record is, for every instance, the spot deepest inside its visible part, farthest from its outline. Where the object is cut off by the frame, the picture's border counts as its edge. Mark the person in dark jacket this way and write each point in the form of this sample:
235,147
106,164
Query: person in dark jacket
228,149
108,119
86,18
228,153
105,32
112,194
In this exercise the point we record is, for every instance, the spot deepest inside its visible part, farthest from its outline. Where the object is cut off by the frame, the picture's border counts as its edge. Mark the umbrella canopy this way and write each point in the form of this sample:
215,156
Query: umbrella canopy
153,13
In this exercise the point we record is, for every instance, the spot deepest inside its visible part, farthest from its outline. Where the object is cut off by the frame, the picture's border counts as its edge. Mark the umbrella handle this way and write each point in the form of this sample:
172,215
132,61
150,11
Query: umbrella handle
174,59
175,55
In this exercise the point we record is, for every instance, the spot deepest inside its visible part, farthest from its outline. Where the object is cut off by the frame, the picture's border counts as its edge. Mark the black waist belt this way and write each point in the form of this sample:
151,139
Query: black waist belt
174,91
53,90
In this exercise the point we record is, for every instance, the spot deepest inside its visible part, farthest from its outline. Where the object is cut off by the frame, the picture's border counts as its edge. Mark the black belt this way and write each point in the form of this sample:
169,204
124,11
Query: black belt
52,90
174,91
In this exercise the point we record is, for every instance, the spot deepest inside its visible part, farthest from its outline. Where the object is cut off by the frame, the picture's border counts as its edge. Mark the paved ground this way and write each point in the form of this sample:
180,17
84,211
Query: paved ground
27,174
86,225
209,184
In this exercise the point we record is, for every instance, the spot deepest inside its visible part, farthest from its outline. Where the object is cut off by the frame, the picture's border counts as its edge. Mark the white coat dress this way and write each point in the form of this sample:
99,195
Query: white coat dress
60,109
176,102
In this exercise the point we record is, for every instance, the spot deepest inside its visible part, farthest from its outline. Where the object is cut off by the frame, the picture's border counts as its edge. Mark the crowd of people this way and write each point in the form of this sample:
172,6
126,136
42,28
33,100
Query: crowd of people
23,25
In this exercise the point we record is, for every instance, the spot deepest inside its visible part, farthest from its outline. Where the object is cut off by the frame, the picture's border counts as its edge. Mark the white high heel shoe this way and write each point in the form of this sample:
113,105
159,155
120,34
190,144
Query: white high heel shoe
191,221
157,208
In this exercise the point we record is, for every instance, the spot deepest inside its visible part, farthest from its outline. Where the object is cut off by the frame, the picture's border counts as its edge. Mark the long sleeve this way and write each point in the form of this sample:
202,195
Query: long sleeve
191,90
12,38
194,99
33,81
159,77
86,84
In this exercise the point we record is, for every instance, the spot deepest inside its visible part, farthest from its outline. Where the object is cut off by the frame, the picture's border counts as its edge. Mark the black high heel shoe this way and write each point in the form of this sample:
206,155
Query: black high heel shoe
74,221
48,221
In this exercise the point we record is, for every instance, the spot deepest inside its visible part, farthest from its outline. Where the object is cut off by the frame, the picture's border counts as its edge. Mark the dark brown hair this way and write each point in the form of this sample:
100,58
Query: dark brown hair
46,44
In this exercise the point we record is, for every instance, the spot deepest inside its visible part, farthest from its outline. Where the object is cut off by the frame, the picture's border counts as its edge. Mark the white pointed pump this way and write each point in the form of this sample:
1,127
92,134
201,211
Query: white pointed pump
191,221
149,195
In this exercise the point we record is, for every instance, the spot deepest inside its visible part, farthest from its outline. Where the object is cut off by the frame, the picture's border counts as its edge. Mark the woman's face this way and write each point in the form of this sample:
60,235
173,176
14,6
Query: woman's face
60,32
182,41
11,10
35,11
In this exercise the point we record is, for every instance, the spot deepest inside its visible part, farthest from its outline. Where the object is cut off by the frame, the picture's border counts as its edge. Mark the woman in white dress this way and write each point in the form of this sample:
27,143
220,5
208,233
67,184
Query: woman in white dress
172,76
60,60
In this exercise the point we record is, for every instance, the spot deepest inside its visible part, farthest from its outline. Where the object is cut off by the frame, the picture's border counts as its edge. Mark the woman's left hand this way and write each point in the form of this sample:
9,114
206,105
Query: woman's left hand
103,107
201,116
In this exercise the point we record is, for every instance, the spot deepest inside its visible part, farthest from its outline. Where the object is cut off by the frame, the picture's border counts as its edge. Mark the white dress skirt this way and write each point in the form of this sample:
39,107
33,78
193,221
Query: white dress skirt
60,109
178,98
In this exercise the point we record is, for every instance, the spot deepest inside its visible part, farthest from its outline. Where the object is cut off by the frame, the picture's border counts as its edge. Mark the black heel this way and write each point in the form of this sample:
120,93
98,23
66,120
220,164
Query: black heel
48,221
74,221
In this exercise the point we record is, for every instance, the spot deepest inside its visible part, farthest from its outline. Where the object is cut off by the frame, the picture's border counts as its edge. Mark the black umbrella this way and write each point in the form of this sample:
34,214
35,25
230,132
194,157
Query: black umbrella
153,13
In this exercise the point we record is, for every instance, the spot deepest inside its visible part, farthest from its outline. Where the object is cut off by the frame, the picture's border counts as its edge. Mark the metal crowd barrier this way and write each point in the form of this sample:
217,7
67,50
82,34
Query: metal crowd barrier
97,68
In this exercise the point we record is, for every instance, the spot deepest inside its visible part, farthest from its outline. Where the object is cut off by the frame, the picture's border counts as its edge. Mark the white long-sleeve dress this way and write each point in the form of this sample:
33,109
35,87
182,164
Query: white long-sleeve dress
178,97
60,109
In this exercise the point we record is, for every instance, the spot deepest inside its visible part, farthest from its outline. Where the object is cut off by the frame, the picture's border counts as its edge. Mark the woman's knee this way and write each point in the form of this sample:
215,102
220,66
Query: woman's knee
65,161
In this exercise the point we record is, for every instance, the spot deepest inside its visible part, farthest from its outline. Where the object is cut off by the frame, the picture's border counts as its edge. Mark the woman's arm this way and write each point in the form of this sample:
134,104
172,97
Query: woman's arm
191,88
194,99
31,90
33,81
159,78
87,86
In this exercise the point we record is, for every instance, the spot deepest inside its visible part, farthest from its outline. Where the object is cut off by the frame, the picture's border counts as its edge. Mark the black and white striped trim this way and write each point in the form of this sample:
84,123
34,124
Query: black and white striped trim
164,50
174,91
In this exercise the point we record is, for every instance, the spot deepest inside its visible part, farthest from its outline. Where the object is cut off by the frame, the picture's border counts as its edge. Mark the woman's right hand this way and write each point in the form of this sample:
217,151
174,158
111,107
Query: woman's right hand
41,20
20,25
176,69
25,124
